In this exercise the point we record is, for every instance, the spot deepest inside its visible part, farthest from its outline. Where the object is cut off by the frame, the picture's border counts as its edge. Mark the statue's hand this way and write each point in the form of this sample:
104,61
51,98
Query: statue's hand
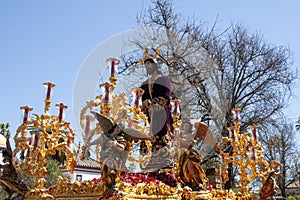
156,107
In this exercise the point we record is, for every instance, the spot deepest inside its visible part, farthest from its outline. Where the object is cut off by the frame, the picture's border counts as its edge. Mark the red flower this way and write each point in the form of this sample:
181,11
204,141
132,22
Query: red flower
209,187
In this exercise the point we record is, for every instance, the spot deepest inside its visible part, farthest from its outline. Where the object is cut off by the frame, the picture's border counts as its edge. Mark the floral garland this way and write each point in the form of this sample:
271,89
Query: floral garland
169,179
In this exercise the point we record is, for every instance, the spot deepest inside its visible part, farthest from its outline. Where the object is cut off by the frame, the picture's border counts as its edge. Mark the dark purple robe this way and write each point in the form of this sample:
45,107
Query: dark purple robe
161,121
161,88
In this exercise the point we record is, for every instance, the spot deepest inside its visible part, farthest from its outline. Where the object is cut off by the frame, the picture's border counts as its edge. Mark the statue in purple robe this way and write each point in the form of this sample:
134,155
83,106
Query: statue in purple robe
156,105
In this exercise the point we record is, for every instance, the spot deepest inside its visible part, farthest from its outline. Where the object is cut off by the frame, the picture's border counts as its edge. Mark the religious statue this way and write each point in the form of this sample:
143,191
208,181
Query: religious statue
270,187
190,170
156,106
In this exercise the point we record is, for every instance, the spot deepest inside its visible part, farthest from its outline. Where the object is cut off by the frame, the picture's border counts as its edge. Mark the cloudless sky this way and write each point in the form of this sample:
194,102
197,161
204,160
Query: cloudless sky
47,40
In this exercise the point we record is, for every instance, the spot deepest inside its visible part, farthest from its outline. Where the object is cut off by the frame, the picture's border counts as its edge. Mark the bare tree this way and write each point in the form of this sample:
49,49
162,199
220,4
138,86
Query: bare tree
255,77
216,72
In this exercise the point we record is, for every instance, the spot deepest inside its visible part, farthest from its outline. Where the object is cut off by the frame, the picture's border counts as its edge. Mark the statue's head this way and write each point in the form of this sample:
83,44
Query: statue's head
151,66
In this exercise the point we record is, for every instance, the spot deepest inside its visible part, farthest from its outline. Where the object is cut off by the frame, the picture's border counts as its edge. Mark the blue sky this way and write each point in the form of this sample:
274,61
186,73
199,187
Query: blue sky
47,40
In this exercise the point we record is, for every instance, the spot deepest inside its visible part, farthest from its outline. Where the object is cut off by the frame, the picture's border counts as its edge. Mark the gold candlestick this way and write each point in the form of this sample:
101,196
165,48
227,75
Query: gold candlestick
247,155
47,134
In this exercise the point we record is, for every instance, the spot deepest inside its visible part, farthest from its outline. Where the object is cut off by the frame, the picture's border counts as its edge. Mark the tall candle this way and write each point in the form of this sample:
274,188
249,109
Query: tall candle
107,92
26,112
113,62
61,112
175,106
49,87
137,97
232,133
254,131
48,91
61,107
176,103
252,152
236,114
106,89
137,93
113,68
36,140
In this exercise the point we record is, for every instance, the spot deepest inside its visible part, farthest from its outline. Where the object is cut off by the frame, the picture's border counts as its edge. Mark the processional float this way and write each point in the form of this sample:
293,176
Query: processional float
45,134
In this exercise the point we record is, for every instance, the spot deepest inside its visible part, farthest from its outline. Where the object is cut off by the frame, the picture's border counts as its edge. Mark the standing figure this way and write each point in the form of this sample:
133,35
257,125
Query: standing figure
156,105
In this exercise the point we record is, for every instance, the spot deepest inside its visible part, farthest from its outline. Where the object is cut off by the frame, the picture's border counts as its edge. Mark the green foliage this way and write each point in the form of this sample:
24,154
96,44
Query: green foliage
53,171
52,166
3,194
51,177
211,163
296,197
28,180
4,130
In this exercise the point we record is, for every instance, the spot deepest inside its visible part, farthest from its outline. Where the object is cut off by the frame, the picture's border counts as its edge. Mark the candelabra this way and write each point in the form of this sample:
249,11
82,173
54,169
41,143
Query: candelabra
39,137
246,155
